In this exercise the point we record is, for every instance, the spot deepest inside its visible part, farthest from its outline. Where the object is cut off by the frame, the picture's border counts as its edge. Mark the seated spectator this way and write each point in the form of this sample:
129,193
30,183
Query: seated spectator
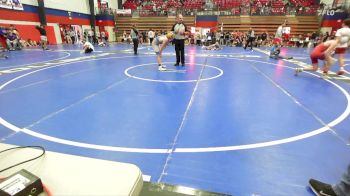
12,41
300,42
23,43
29,41
34,43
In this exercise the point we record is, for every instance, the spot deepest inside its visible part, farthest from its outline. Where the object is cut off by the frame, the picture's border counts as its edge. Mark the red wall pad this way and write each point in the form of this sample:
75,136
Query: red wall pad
29,32
19,16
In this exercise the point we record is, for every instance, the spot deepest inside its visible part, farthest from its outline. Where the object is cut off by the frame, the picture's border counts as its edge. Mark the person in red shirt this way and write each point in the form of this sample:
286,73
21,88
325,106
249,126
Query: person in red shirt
321,52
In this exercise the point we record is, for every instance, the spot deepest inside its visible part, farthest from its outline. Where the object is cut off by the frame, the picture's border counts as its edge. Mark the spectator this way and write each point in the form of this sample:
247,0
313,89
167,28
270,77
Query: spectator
90,35
11,41
150,36
251,37
72,35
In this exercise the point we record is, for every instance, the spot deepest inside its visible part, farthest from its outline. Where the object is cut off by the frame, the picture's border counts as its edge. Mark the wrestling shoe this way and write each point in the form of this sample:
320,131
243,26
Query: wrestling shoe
321,189
162,68
298,70
325,76
341,72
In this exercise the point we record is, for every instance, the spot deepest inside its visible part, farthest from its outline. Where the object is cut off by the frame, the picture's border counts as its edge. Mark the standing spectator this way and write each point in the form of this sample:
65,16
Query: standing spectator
150,36
43,37
95,37
90,35
107,37
144,36
103,37
251,37
179,29
135,38
72,35
227,38
67,36
222,36
125,37
313,39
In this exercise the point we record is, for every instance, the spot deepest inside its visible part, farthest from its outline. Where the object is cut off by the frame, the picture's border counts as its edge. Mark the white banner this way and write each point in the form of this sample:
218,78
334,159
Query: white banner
11,4
6,4
17,5
123,11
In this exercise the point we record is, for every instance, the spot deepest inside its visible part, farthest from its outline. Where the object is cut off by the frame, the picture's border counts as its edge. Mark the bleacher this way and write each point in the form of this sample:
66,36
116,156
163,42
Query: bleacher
236,7
299,24
303,21
147,23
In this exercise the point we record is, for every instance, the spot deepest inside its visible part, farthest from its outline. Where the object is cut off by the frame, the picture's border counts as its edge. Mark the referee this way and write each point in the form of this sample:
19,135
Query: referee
134,33
179,30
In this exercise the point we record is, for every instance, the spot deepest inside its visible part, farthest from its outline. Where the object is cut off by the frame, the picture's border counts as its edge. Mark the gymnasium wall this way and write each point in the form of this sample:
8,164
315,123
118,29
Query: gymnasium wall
113,4
73,12
34,34
327,2
333,20
79,6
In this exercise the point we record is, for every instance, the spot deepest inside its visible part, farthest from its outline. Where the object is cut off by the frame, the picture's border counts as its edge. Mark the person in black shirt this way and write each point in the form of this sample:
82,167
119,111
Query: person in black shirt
180,30
43,36
264,38
250,39
325,37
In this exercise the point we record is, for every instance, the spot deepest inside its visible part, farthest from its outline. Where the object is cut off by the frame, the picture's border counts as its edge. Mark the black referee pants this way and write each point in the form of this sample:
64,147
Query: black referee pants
136,45
180,51
250,40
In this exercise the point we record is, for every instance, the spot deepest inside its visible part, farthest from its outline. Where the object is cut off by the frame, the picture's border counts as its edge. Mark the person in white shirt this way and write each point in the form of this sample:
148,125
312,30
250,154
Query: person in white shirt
342,37
159,44
87,47
279,34
150,36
